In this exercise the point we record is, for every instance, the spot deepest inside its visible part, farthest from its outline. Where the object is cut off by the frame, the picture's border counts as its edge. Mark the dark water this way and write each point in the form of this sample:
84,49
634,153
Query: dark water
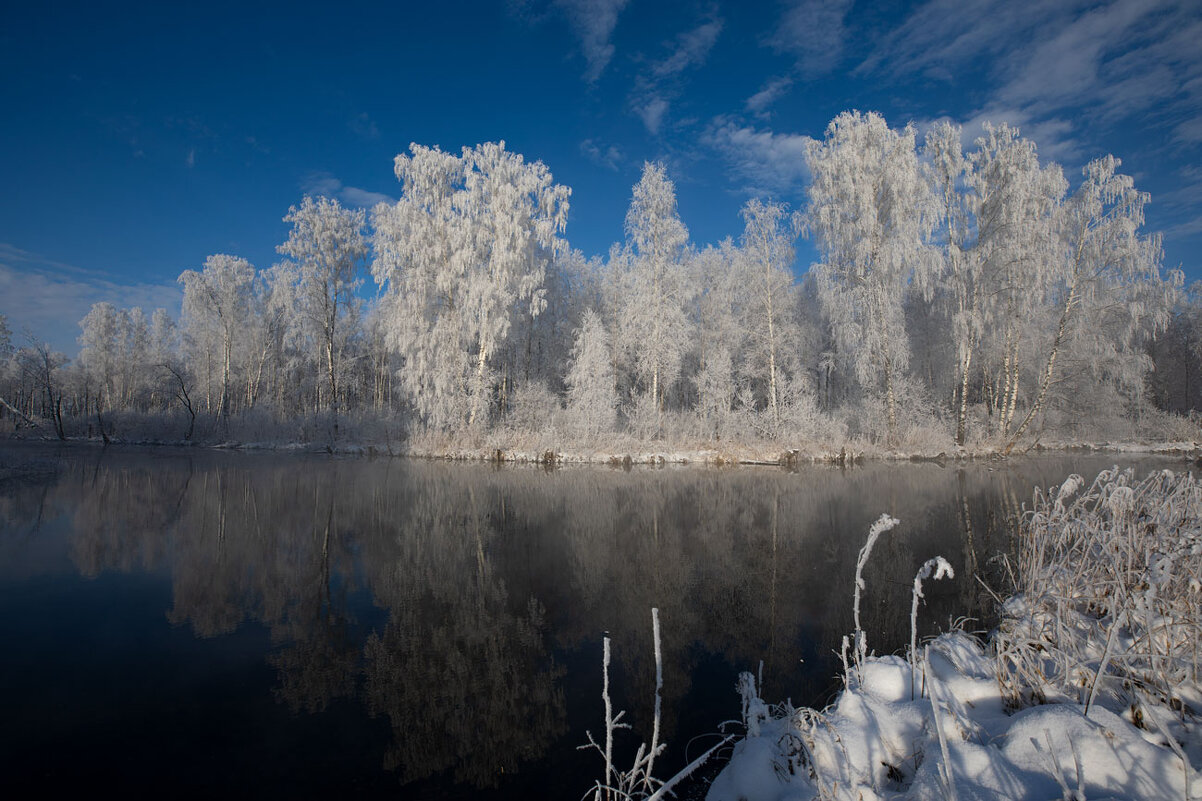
209,624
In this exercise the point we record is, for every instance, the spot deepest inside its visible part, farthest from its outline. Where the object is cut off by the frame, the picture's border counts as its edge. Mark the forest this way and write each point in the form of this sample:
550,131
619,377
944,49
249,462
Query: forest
962,298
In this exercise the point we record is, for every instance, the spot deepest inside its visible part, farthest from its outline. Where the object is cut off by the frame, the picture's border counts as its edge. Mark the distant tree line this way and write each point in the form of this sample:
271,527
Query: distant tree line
959,298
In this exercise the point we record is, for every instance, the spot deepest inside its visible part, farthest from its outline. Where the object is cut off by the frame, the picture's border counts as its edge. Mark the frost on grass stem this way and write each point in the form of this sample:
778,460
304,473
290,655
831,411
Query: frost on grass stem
884,523
638,782
942,570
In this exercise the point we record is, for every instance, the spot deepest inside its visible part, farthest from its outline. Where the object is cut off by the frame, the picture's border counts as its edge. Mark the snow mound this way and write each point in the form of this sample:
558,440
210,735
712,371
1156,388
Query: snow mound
954,739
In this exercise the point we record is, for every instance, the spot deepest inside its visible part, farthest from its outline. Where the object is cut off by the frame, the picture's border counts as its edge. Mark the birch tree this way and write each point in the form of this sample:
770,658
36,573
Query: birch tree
216,307
136,376
42,369
765,258
961,267
281,334
653,315
592,395
996,210
721,334
871,211
98,355
458,256
1013,203
328,246
1106,272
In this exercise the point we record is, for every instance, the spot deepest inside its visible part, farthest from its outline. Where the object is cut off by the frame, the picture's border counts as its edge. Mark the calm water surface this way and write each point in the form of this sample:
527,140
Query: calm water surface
225,624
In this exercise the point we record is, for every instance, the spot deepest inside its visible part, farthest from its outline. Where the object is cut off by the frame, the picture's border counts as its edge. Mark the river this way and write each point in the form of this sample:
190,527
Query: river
200,623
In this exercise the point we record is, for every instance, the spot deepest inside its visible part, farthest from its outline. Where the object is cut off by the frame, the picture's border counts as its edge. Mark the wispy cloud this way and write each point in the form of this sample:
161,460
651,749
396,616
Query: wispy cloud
769,94
651,109
1126,60
47,298
691,49
363,126
1055,138
1181,205
814,32
762,162
608,156
326,185
655,89
594,22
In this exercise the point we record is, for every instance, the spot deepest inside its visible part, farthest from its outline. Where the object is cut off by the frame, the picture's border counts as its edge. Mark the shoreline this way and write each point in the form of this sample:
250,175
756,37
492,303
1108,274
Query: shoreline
627,458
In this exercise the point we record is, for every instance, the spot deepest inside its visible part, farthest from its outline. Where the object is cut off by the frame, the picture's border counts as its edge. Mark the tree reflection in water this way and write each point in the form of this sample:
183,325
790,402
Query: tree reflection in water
447,599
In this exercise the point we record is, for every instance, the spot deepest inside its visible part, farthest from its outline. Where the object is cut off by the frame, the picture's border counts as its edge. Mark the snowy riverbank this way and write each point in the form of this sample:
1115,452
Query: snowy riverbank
648,454
1089,687
632,452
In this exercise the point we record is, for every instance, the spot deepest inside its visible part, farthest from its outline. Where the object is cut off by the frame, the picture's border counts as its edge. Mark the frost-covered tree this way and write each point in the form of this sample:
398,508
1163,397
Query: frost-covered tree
653,321
1176,383
99,354
1013,202
114,357
164,337
539,346
41,368
592,394
997,206
721,333
462,253
872,212
6,355
6,339
1106,288
216,312
960,272
763,265
278,348
328,245
136,375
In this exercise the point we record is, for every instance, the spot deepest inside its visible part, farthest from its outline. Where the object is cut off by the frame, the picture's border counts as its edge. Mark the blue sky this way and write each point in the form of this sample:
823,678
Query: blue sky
137,140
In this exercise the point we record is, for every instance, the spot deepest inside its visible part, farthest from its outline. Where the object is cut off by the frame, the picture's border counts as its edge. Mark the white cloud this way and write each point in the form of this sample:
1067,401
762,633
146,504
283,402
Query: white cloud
813,31
362,198
326,185
1077,59
594,22
48,298
609,156
651,111
660,84
1181,204
1054,138
1189,131
691,50
1188,190
1184,229
764,163
942,35
772,91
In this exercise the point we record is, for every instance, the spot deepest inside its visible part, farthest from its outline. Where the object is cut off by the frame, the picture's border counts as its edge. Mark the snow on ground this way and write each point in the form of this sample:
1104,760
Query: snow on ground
880,741
1088,689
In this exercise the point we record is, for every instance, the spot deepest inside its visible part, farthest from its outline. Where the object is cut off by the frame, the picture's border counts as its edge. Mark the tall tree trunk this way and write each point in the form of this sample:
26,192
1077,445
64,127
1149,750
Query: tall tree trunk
227,358
1011,397
481,360
331,374
890,402
1046,380
772,390
962,415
